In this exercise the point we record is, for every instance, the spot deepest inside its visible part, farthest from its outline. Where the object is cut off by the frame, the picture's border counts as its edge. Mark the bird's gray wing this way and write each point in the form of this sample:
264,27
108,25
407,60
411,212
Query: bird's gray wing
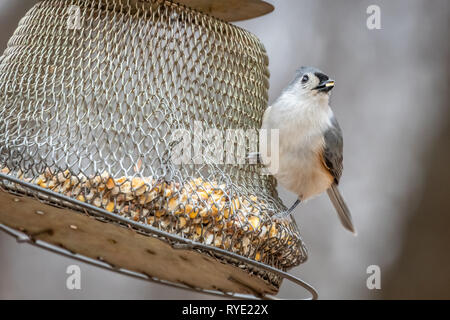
333,150
332,159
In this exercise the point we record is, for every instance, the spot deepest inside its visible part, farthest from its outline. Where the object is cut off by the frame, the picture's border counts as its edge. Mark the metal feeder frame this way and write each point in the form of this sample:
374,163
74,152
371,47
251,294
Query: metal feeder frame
11,185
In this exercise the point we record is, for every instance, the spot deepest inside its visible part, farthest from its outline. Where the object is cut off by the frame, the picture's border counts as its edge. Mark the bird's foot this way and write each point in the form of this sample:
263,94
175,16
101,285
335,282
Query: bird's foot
286,214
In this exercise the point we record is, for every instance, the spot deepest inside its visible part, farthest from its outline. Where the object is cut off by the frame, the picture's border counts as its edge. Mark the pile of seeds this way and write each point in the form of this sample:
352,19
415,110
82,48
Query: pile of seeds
203,211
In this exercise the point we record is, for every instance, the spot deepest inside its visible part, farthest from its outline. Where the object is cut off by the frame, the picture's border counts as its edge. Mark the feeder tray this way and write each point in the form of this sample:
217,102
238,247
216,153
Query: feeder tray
231,10
89,108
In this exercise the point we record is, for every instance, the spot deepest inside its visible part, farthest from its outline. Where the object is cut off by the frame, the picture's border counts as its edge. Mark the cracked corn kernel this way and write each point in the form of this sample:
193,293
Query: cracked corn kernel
226,213
121,180
214,210
110,206
140,191
66,185
184,197
146,198
77,190
150,220
160,213
104,175
167,192
258,256
173,204
135,216
48,174
254,223
216,197
236,203
188,208
182,222
137,183
158,187
209,238
263,231
41,180
203,195
97,202
125,187
193,213
43,185
60,177
110,183
74,180
5,170
207,186
218,241
115,191
105,201
165,222
204,212
90,195
273,231
51,184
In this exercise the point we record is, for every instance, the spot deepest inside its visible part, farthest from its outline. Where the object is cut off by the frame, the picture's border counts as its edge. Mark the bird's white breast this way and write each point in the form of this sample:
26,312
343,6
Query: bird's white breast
301,143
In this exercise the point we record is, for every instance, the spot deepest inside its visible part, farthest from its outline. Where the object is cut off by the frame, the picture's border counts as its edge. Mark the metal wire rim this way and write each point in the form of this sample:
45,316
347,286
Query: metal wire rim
176,241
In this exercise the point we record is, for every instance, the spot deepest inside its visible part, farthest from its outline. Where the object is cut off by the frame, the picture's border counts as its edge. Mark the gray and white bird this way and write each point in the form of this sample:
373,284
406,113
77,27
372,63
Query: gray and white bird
310,141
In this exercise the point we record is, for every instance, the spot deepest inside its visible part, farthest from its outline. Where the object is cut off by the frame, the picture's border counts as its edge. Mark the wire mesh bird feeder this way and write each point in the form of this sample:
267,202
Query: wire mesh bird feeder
91,92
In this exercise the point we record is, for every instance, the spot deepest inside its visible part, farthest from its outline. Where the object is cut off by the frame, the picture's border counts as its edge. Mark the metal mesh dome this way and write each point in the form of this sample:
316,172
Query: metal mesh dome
91,93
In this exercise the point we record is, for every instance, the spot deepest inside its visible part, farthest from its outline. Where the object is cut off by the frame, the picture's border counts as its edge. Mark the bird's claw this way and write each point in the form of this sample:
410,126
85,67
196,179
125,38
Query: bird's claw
282,215
287,213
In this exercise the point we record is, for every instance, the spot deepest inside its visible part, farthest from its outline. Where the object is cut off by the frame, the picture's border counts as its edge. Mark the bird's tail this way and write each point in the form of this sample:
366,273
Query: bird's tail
341,208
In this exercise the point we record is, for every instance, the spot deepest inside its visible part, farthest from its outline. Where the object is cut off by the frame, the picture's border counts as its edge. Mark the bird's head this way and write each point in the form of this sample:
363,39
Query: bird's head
310,81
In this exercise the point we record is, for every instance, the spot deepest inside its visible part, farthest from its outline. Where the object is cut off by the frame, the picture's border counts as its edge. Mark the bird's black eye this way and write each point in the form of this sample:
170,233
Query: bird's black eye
305,78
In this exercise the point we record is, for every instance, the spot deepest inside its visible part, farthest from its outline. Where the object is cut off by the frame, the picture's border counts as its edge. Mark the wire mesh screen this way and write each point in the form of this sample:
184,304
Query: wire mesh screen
99,99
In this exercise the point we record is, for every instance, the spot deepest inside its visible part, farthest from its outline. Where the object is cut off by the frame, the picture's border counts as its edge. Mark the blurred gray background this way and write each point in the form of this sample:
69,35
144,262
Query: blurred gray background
392,101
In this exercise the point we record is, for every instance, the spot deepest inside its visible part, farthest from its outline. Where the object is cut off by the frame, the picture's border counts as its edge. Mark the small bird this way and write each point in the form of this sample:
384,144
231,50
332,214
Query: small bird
310,141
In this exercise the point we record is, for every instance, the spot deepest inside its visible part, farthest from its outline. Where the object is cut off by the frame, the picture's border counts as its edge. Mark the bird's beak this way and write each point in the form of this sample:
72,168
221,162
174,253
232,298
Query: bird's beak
325,86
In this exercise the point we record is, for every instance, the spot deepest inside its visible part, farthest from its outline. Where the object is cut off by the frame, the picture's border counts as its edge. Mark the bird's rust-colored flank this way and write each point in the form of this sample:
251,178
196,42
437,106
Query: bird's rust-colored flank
324,164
